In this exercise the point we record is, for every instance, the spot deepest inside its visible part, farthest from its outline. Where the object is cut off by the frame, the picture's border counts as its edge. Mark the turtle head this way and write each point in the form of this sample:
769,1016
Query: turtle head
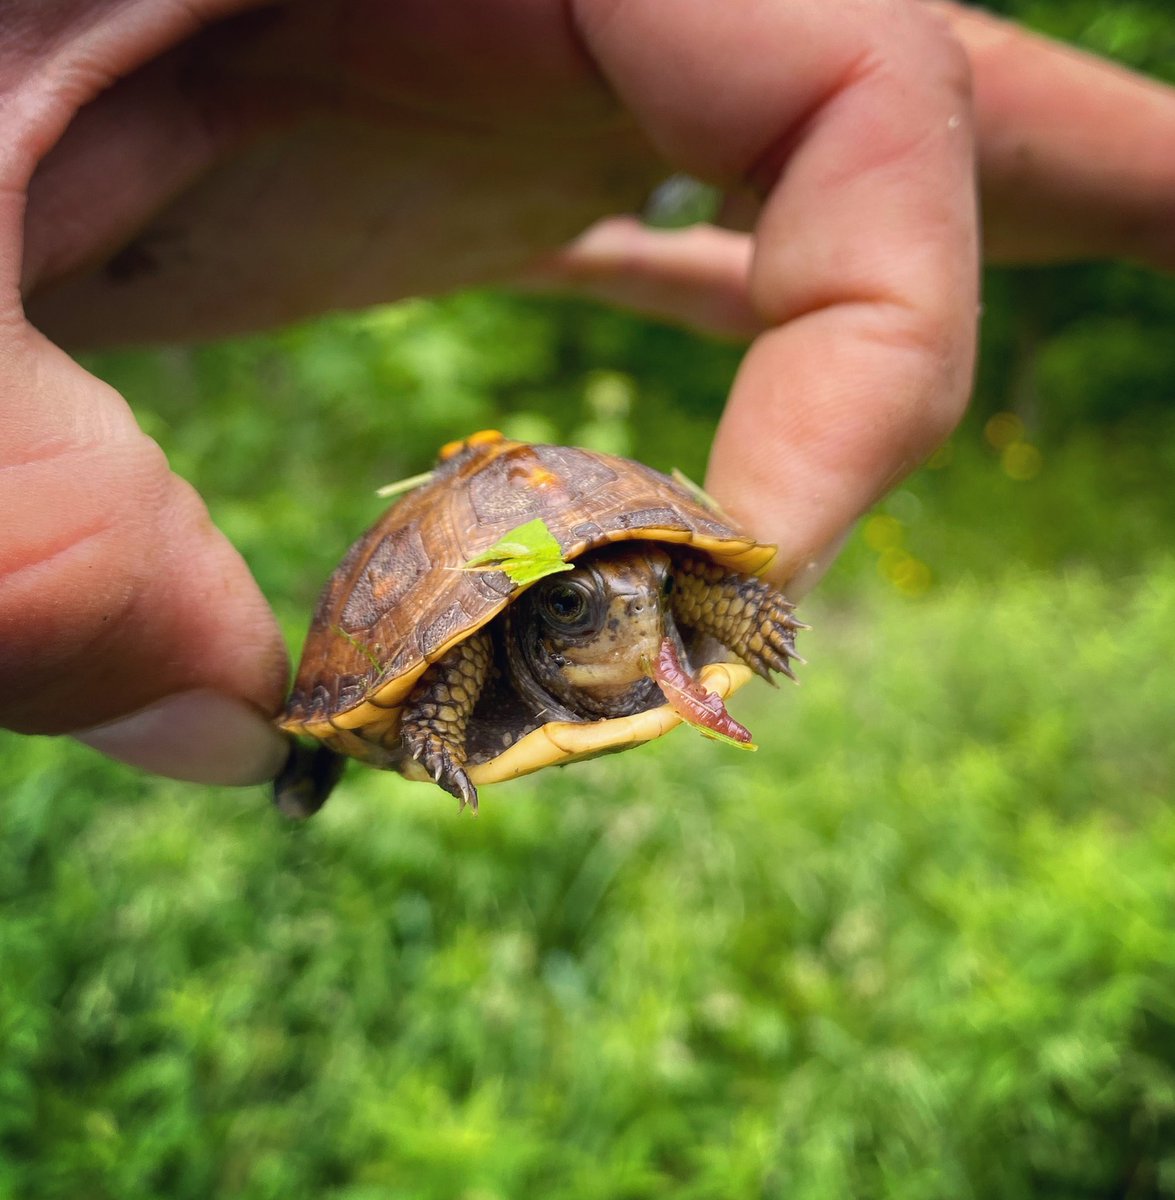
578,641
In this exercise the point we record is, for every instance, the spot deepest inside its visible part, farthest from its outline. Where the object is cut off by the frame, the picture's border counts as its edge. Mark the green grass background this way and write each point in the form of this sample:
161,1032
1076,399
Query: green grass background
921,945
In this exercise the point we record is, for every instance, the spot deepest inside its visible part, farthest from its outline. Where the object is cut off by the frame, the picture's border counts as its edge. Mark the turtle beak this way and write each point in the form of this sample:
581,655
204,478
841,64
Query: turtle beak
632,629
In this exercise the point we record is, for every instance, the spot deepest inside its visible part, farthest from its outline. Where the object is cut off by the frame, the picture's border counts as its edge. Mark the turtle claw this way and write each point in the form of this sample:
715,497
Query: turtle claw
770,648
468,794
432,728
747,615
440,761
779,649
457,783
455,780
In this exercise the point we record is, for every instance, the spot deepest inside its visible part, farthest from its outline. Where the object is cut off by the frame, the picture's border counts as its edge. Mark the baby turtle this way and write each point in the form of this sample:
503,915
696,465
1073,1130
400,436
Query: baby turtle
418,664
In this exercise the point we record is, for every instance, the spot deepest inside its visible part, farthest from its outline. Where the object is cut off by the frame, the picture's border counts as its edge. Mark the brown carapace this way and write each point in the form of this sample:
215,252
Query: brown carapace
415,664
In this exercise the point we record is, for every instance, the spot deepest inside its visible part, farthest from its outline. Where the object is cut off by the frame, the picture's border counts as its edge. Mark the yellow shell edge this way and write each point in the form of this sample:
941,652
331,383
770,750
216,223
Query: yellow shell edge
566,741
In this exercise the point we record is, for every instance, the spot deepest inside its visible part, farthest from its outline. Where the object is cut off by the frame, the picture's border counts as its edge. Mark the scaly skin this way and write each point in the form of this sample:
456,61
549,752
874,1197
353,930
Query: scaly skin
438,710
744,613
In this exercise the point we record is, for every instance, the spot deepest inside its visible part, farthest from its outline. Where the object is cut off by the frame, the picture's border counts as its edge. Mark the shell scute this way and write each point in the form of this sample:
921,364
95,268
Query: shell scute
396,564
442,628
491,585
587,532
321,698
352,688
651,518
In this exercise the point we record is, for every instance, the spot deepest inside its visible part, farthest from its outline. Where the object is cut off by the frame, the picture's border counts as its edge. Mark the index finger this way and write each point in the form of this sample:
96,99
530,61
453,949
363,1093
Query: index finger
854,119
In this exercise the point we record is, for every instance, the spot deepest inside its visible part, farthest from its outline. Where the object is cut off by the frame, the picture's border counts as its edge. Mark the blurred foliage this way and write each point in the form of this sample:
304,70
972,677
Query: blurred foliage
1138,33
920,946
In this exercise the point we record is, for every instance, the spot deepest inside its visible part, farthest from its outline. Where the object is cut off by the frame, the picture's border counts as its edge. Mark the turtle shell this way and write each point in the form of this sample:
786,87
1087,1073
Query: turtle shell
398,601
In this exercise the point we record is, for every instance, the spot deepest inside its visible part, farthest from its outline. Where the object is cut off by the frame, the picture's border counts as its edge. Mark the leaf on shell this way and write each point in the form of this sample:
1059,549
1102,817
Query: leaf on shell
358,646
695,704
525,554
698,492
404,485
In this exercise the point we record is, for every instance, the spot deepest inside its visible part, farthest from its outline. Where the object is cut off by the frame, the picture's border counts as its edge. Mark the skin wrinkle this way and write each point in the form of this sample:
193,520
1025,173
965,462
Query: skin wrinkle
123,493
70,408
116,620
766,170
894,151
570,16
53,446
122,35
683,135
49,684
45,560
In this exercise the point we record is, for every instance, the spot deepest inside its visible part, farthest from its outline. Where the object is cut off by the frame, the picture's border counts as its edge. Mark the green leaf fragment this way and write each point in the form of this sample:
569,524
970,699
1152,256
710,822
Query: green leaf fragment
699,493
404,485
358,646
525,554
714,735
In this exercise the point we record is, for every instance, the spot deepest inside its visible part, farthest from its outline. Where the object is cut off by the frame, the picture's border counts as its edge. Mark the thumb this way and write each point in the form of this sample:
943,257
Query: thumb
124,613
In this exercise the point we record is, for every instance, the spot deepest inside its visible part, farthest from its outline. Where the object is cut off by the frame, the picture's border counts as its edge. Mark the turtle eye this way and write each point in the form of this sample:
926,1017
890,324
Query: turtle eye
566,606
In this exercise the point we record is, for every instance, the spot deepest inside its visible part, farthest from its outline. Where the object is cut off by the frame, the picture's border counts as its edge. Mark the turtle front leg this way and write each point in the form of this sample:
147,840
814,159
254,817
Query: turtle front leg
437,713
747,615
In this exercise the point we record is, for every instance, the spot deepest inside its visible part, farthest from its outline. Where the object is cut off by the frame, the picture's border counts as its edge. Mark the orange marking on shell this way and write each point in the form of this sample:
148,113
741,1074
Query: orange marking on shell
534,477
481,438
526,470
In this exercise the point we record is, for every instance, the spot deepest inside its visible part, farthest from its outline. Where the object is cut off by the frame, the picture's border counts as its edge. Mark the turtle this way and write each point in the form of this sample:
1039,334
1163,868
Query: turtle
416,663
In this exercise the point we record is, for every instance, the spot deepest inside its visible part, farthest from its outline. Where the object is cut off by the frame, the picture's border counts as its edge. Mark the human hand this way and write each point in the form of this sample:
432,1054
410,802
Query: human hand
1075,163
305,156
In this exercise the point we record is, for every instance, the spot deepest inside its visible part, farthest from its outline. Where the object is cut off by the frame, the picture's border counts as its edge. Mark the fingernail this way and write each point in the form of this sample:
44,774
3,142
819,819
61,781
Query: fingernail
809,573
199,736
